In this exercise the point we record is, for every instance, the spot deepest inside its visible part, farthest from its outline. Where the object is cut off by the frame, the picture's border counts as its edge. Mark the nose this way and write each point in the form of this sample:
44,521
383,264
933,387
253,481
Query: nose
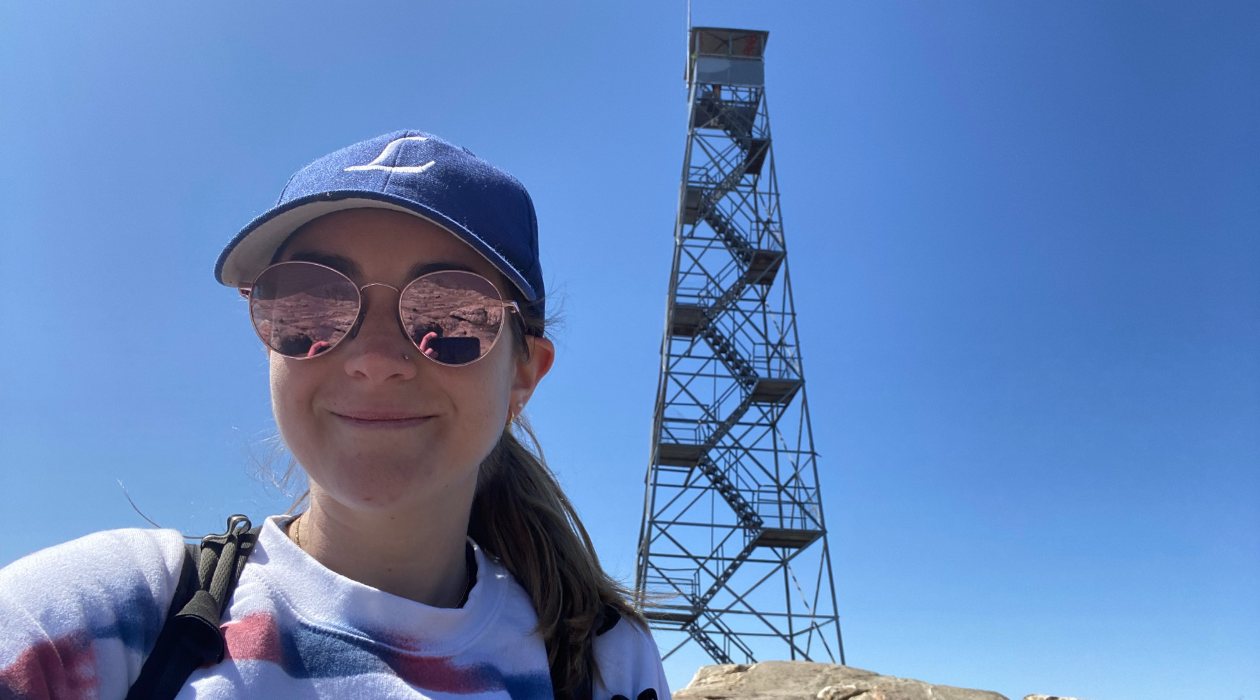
379,351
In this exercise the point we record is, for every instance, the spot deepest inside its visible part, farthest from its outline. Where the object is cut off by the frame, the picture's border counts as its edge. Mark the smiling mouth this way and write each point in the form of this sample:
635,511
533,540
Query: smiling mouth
381,420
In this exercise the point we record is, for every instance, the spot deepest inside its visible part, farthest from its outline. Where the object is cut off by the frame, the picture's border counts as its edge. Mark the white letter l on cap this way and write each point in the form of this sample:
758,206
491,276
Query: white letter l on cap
389,151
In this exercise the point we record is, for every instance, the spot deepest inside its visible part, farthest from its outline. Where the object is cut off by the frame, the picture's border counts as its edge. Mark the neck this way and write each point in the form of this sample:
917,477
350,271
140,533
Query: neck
416,552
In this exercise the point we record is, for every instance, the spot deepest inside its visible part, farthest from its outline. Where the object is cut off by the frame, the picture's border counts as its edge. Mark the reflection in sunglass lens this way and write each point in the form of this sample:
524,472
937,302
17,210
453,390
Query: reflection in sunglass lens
453,317
301,309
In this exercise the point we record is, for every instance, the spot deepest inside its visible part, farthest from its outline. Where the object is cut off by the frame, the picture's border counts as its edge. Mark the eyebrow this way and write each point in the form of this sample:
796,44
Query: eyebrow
426,268
340,263
352,270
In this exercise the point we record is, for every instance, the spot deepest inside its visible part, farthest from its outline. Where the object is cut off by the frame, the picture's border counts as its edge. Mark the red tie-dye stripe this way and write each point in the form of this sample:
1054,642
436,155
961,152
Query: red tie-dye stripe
439,675
257,637
61,669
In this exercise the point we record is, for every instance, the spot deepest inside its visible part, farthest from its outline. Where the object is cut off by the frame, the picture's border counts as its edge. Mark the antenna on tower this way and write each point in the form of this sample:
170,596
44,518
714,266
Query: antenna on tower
733,553
687,39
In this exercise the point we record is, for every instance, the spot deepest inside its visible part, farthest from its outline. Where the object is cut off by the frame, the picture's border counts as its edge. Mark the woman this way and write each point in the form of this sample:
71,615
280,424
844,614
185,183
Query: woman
397,287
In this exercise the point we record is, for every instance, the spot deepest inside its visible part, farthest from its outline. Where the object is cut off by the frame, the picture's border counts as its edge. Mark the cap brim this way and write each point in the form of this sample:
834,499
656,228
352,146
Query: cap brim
253,248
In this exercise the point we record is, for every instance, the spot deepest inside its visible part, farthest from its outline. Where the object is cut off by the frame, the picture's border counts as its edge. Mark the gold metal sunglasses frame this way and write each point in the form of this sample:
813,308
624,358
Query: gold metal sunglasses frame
246,291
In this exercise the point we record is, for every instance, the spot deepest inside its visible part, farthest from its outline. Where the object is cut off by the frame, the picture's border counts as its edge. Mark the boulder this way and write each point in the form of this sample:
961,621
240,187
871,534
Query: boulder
803,680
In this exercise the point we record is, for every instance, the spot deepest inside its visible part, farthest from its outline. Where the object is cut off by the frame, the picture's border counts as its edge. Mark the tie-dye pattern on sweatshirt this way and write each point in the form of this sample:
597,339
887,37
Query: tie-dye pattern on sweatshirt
77,621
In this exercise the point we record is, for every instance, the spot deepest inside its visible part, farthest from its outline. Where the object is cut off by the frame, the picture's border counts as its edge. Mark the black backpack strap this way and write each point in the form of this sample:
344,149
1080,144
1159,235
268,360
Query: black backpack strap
159,658
607,619
190,637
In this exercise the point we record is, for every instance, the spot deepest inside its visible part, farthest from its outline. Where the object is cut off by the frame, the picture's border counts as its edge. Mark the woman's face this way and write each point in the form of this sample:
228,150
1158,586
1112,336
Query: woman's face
376,425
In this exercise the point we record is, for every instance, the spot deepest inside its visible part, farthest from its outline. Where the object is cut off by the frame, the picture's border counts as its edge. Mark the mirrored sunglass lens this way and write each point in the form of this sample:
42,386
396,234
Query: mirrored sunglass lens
301,309
453,317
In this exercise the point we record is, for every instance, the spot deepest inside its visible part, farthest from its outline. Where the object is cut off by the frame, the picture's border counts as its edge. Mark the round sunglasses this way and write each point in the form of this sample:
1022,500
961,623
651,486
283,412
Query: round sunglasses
303,310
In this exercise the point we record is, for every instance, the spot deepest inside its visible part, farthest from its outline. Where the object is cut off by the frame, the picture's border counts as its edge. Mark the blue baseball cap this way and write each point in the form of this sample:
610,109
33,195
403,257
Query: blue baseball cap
407,171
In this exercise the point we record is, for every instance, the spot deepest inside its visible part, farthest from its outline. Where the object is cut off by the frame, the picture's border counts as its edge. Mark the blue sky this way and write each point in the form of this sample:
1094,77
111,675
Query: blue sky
1023,242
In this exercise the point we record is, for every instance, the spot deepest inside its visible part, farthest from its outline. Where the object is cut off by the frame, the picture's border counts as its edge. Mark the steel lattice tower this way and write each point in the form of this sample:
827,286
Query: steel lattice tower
733,547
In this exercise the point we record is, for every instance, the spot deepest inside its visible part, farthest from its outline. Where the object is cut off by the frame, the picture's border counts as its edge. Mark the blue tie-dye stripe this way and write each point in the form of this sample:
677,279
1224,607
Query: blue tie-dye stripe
315,653
137,617
312,652
531,686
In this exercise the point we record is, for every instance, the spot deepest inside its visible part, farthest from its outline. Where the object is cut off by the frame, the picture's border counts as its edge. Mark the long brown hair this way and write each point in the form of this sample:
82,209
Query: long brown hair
521,516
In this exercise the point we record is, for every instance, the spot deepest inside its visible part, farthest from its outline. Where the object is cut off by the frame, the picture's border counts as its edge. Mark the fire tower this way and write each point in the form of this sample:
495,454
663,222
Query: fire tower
733,547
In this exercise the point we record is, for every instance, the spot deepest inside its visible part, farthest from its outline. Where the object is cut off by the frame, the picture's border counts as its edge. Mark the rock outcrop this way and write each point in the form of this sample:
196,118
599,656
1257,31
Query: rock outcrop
802,680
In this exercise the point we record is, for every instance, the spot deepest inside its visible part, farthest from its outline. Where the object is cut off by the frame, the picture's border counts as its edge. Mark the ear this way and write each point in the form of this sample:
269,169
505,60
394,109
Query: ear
528,373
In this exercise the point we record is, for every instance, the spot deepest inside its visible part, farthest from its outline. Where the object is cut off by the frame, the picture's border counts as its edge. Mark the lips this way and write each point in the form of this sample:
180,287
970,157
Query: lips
380,419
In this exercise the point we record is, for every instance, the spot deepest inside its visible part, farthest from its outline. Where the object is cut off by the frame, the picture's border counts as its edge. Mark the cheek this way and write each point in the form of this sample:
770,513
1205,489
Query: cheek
290,393
484,398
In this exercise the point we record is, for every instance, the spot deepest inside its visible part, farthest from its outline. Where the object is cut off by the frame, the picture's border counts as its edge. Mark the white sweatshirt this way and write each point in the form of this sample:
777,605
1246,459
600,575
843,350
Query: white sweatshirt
77,621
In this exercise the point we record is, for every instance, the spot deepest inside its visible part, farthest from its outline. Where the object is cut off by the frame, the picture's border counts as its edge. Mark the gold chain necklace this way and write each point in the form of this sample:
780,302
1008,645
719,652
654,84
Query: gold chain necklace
295,527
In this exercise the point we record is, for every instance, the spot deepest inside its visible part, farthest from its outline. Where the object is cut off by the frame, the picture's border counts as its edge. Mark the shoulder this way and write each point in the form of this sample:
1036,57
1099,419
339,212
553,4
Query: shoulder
115,584
629,662
97,565
500,595
110,546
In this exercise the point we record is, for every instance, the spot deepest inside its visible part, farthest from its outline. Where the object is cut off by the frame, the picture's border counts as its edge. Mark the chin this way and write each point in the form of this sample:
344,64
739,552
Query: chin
364,483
